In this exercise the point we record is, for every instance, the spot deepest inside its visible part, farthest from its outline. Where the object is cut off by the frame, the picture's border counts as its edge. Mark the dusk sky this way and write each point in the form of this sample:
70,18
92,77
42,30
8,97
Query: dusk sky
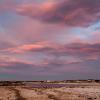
49,39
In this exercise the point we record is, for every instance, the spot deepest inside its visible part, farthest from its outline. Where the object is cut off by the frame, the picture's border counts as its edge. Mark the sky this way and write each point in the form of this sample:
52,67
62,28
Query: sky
49,39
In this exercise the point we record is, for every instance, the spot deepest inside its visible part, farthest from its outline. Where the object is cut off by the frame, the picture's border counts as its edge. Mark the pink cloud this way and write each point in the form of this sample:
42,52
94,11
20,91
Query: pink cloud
68,12
6,5
30,47
85,52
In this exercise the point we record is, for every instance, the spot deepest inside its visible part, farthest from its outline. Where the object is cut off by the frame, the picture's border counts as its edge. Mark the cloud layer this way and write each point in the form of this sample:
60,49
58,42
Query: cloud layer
70,12
49,39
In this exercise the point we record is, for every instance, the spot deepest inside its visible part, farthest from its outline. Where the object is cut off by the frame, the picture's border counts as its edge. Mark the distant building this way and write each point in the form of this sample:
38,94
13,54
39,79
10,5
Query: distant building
48,81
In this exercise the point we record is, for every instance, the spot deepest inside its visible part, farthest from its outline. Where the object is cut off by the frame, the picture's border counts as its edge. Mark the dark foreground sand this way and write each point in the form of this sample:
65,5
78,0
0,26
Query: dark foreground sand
90,92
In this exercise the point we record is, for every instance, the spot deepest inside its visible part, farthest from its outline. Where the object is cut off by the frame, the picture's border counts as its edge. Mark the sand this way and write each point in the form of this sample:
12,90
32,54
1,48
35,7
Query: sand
64,93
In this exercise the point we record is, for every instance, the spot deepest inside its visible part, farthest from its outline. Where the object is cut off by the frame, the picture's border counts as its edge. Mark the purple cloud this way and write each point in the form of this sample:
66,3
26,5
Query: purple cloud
70,12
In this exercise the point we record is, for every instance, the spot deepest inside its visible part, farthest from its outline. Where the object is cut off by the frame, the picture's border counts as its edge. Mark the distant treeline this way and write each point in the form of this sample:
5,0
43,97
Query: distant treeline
11,83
